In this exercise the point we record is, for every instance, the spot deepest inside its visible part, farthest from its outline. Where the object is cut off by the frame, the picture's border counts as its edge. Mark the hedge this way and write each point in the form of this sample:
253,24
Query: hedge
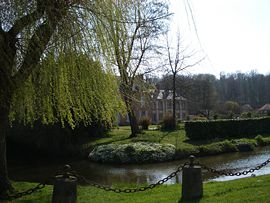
53,139
206,130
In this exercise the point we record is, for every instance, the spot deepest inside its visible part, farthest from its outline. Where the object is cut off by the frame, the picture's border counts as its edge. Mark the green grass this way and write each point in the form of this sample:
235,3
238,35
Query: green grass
184,147
241,190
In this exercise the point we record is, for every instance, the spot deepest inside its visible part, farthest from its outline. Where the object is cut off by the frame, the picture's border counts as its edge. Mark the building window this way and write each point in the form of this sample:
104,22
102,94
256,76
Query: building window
183,105
177,105
154,105
160,116
169,104
154,118
160,105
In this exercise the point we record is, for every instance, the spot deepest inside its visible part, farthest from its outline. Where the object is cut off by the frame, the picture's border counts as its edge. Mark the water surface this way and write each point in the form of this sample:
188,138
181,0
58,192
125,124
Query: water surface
109,174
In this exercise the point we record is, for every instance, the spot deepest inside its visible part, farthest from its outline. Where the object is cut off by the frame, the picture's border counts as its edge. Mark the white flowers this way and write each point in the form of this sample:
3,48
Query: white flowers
139,152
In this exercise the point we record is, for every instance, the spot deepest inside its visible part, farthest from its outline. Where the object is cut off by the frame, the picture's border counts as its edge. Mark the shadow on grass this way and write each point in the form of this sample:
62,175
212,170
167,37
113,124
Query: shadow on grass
189,201
165,135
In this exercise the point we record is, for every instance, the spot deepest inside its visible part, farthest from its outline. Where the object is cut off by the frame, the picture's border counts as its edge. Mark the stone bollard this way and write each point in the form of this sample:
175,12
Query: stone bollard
65,188
192,186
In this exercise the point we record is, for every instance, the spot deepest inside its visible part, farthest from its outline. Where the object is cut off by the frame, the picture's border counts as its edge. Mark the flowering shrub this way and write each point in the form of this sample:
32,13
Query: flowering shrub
139,152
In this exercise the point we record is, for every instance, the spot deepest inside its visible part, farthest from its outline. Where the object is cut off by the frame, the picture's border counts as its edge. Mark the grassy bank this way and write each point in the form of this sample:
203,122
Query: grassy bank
241,190
184,147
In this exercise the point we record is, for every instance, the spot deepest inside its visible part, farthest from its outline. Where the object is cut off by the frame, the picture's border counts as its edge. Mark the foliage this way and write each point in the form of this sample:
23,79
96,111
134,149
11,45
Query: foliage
138,152
205,91
68,89
201,130
29,30
246,115
200,91
217,148
232,107
184,146
145,122
53,139
262,141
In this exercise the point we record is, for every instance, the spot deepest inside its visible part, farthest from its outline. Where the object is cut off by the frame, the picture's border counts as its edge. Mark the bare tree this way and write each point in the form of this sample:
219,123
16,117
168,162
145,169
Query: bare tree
179,59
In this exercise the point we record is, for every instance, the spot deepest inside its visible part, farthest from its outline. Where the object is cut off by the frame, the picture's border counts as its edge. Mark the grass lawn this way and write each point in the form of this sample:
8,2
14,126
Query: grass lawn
241,190
184,146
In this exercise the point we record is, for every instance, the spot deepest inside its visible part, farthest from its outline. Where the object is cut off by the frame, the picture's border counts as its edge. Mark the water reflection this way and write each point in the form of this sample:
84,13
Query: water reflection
108,174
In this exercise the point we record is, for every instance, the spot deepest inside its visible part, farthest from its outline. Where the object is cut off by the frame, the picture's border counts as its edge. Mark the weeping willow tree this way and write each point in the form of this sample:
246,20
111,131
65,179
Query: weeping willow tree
127,32
69,88
46,71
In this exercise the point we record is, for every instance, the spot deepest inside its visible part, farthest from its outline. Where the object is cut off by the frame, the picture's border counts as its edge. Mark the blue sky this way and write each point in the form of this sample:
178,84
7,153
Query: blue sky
233,34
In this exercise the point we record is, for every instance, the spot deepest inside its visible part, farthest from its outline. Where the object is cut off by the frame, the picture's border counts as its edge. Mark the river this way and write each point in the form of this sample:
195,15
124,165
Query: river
109,174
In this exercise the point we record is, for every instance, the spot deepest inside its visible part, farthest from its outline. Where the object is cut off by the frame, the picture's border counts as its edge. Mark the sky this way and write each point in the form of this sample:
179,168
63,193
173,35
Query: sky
232,35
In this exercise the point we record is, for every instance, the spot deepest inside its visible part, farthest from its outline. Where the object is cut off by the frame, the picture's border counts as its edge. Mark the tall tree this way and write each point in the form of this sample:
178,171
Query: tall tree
28,30
128,30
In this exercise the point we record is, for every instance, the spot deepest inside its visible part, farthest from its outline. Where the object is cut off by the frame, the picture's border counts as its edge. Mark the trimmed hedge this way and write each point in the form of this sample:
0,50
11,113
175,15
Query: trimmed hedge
52,139
206,130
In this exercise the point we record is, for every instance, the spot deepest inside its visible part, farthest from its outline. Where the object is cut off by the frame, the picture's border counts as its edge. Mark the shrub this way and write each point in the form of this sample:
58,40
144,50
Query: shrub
262,141
206,130
145,122
259,140
139,152
168,123
52,139
246,115
228,146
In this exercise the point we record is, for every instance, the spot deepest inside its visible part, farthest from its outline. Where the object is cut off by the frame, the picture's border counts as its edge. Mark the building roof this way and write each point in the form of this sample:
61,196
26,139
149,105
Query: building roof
265,107
167,95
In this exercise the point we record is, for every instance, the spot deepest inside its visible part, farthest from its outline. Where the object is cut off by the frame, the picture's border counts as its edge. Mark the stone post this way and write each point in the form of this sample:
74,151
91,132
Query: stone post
65,188
192,186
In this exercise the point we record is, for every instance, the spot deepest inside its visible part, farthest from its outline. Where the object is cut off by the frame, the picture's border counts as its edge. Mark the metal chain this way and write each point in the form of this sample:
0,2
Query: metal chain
227,173
24,193
131,190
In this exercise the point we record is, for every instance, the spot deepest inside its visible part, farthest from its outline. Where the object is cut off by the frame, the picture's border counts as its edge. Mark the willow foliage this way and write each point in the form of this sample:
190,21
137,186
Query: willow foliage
69,88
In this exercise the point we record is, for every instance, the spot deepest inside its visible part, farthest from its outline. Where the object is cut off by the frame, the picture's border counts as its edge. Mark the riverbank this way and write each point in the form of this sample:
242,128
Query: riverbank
184,147
253,189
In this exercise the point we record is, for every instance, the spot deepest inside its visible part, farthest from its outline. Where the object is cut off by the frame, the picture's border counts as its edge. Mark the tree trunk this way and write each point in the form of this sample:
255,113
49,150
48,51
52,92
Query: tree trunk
133,123
174,100
5,185
132,118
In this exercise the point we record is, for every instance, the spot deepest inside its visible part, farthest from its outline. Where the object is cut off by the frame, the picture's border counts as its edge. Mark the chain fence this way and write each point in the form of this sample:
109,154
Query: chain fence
230,173
17,195
131,190
67,172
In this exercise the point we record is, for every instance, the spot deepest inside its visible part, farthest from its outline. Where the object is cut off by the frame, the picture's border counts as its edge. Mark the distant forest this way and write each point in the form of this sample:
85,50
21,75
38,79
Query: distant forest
206,93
